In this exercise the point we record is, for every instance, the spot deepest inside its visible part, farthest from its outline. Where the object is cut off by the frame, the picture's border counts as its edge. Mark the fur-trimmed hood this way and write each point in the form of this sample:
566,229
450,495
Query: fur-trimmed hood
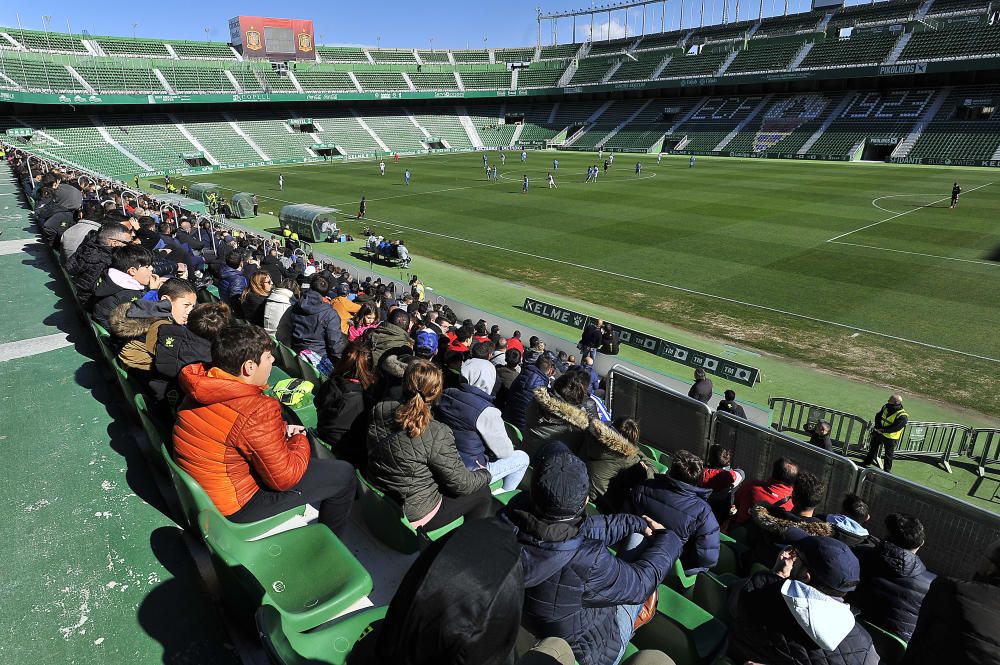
394,364
775,527
132,320
552,406
611,439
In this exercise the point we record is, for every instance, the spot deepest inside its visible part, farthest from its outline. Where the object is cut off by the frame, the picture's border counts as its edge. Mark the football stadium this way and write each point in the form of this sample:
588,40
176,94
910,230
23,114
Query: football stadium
654,332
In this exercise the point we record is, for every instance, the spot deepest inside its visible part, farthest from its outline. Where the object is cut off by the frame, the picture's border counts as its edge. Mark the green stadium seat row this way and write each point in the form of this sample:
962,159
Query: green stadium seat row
434,56
393,56
134,47
317,79
381,81
640,70
636,137
961,42
445,124
205,50
486,80
526,54
106,77
558,51
471,56
196,79
704,64
893,10
592,70
536,77
35,40
433,80
395,130
346,132
662,40
764,56
940,7
858,50
33,74
341,54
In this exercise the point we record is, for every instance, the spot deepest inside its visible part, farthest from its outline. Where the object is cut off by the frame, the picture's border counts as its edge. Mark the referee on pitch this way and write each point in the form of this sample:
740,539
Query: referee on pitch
955,191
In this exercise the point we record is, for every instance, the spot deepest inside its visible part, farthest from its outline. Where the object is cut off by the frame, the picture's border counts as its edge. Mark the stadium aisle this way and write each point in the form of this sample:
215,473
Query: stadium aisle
94,569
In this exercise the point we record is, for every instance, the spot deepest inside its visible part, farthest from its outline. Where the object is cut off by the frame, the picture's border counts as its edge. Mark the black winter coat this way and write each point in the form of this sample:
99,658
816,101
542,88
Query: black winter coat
959,623
86,266
342,413
683,509
894,582
765,630
252,308
701,390
176,348
109,294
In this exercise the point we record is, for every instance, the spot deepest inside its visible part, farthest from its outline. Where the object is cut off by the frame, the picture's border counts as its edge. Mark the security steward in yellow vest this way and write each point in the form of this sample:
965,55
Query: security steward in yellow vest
888,429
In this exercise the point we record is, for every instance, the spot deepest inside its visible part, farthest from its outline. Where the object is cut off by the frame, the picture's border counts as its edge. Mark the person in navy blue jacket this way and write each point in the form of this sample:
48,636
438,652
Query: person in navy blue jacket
232,282
575,588
522,391
676,501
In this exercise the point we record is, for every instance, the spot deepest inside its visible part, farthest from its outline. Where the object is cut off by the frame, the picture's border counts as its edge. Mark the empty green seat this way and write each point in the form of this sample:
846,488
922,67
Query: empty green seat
680,581
307,574
689,634
387,522
327,645
711,593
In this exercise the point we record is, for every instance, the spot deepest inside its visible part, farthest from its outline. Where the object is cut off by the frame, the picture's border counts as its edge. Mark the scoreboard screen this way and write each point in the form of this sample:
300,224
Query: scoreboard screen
279,40
272,38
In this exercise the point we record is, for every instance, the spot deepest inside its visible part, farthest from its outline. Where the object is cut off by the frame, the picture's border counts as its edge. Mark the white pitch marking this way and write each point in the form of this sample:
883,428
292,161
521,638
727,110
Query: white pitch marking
900,214
691,291
992,264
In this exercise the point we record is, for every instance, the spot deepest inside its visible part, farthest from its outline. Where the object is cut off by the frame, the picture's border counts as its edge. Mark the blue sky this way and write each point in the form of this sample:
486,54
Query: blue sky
391,23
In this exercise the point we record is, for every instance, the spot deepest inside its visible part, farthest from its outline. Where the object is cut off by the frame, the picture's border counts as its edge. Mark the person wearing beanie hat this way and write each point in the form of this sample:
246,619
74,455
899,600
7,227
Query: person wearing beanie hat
795,614
480,433
345,307
426,345
574,587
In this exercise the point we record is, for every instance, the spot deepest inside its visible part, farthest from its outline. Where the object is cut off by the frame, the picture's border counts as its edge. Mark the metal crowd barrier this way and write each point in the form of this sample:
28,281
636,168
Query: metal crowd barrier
989,439
958,533
755,448
931,440
671,421
848,431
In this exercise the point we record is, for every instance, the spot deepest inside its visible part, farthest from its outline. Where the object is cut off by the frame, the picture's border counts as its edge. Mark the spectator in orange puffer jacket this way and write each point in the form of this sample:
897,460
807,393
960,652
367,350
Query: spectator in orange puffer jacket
232,440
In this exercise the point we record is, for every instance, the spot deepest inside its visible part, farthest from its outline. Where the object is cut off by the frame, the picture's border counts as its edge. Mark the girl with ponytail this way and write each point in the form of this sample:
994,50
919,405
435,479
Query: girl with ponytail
414,460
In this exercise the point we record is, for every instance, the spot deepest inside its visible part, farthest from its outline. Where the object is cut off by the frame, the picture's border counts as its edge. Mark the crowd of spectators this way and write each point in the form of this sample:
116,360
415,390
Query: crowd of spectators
429,407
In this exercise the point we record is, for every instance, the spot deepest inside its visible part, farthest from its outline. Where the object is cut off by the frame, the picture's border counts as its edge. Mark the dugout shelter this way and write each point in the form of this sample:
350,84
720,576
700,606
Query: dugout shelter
307,220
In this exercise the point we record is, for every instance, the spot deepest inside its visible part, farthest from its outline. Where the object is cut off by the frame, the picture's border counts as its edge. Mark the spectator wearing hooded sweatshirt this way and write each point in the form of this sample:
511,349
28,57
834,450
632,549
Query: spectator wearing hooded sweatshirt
574,587
894,581
315,325
796,614
677,502
478,427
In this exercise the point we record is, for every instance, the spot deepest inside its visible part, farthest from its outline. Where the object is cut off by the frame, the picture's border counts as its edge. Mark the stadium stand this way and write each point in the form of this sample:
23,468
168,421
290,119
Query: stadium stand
193,78
592,70
32,73
341,54
949,136
395,130
381,81
320,79
473,56
34,40
763,55
786,125
515,54
393,56
219,138
120,76
133,47
704,64
873,115
433,56
490,80
559,51
445,124
434,80
714,119
859,50
958,41
539,77
346,132
203,50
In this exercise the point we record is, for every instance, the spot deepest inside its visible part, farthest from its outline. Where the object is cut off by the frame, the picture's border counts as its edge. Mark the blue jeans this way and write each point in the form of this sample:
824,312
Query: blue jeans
510,469
625,616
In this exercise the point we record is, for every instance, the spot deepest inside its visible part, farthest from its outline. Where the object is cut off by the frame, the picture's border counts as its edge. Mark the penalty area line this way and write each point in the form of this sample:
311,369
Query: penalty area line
900,214
687,290
903,251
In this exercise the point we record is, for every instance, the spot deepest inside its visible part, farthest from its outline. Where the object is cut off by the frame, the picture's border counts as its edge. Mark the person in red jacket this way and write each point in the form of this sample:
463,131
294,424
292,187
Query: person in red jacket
515,342
232,440
775,491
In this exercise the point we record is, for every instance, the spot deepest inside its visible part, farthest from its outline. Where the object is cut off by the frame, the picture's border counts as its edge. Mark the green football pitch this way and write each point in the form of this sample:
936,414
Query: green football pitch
858,269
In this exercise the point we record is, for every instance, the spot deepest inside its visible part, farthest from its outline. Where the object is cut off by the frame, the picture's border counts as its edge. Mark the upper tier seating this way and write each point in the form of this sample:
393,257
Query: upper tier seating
433,56
859,50
341,54
381,81
480,55
705,64
661,40
559,51
789,25
960,42
391,56
539,77
183,78
956,6
319,79
526,54
878,12
647,64
486,80
764,55
434,80
37,74
207,50
34,40
592,70
614,46
277,81
109,76
136,47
